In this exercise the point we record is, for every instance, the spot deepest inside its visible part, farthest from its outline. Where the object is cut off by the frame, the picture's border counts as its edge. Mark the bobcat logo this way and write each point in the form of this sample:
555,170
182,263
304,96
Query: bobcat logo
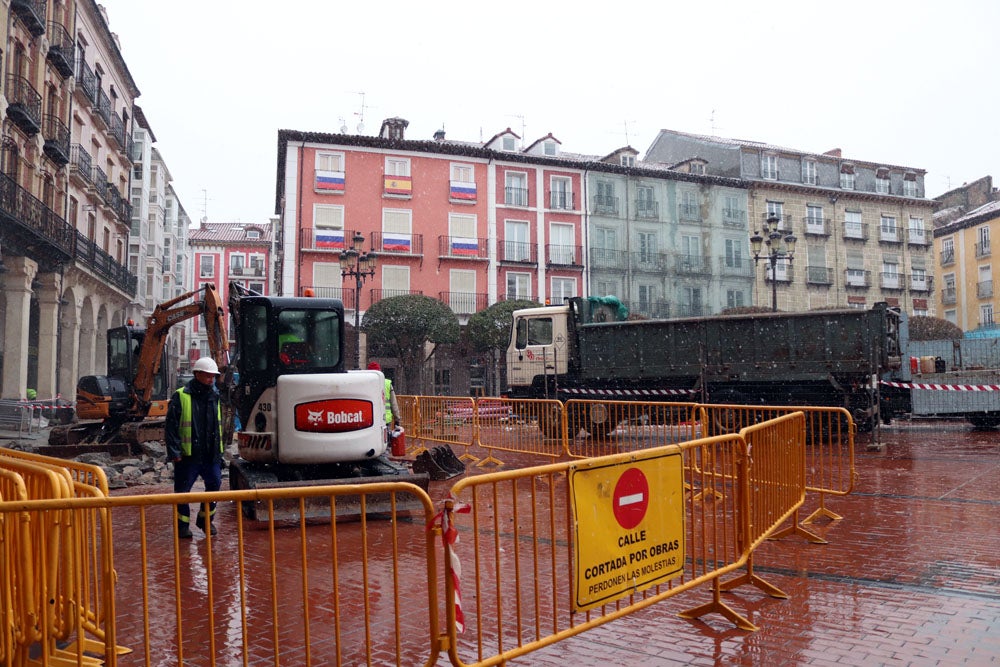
315,417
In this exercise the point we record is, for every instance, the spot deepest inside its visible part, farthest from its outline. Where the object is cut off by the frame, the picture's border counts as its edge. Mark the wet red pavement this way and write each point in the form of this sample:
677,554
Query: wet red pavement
910,576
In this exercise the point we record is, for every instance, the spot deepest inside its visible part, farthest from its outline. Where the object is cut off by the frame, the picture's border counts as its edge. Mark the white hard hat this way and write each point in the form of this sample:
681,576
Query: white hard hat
206,365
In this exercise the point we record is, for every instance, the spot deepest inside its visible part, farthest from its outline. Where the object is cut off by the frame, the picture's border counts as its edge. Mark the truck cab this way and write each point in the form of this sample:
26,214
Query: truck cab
538,350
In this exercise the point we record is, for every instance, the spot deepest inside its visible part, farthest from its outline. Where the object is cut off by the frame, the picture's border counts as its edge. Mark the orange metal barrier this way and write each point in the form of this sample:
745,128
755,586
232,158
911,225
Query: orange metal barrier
445,419
520,555
17,580
519,426
599,428
829,446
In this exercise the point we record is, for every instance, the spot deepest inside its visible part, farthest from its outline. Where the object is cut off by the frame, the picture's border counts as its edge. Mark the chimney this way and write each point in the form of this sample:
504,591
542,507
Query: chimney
439,135
833,152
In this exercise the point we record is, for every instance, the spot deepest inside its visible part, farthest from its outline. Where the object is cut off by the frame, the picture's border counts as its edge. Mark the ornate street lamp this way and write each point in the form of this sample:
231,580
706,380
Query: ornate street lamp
778,247
357,264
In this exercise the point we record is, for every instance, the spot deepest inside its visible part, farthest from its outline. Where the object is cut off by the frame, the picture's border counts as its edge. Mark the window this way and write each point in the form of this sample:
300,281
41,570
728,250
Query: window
442,382
918,279
690,257
562,248
518,286
561,193
888,228
814,219
809,172
396,231
516,193
986,315
237,262
776,209
890,273
604,247
397,182
253,234
549,147
947,251
690,207
732,211
509,143
769,167
462,291
517,247
983,245
627,160
397,167
605,201
462,232
853,229
533,331
735,298
691,303
562,289
984,288
909,186
328,221
697,168
847,177
330,162
206,265
647,247
644,203
395,280
734,253
882,183
463,183
917,235
462,173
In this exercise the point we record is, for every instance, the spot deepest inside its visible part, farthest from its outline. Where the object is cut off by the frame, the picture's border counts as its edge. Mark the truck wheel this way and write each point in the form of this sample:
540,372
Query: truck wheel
986,421
597,419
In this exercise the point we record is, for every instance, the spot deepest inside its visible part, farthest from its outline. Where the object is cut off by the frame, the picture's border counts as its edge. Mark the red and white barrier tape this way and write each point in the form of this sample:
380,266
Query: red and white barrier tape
449,538
629,392
942,387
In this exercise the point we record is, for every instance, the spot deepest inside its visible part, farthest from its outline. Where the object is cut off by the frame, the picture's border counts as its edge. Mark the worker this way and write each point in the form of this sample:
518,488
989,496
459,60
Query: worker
194,441
392,413
291,347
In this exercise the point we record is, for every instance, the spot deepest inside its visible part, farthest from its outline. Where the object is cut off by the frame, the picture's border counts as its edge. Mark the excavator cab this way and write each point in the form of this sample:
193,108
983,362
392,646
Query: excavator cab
109,396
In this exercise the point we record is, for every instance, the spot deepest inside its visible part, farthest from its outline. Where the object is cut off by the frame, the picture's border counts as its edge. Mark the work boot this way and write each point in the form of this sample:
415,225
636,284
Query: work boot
200,522
184,530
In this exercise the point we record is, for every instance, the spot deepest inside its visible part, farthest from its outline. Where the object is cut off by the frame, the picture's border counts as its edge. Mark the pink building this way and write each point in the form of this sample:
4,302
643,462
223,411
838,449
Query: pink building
466,223
224,252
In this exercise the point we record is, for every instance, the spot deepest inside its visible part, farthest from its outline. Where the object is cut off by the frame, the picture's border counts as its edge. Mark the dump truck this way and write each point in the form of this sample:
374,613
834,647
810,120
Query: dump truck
587,348
128,404
306,420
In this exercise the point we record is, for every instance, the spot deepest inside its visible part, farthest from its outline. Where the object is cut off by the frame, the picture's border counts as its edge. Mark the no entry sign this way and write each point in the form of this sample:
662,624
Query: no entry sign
631,498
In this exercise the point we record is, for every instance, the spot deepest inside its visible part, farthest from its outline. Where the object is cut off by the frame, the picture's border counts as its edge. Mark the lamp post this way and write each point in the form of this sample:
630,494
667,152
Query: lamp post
778,246
358,264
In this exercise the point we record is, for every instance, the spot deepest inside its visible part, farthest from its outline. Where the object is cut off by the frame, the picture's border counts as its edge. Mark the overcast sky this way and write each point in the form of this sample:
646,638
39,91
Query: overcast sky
905,83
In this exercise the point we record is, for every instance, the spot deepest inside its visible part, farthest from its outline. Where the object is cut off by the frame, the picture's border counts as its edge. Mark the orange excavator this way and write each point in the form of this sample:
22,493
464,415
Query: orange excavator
129,404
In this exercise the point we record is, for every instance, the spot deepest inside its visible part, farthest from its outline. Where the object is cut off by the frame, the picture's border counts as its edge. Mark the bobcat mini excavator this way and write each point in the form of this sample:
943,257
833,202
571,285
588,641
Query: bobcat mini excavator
129,403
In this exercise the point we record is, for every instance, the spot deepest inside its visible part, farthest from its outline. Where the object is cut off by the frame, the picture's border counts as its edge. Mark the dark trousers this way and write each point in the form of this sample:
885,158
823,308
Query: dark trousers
186,473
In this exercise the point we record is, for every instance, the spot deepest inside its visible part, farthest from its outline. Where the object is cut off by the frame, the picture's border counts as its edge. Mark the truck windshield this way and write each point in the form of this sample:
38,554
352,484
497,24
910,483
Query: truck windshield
533,331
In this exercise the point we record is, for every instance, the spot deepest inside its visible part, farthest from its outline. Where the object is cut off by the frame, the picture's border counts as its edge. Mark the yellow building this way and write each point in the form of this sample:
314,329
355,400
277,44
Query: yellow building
966,266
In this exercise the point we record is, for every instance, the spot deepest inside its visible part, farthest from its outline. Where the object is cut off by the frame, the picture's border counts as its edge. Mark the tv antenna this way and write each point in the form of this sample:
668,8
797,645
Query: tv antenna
204,205
361,114
521,118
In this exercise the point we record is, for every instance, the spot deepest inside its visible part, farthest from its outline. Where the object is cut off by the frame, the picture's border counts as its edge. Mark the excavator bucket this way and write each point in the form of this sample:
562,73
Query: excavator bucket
440,463
322,508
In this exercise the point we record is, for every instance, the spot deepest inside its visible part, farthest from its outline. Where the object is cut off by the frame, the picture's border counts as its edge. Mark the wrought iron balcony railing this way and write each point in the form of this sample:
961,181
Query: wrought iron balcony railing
56,135
24,104
464,303
60,49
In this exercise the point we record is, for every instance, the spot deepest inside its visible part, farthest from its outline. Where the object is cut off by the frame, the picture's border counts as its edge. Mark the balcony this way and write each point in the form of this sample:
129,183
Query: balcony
984,289
31,13
379,294
656,310
949,296
80,165
983,249
563,255
691,310
31,229
651,262
819,275
117,131
734,217
516,197
921,283
916,236
782,272
100,181
87,81
607,258
855,231
324,240
56,136
689,212
101,263
857,278
60,49
692,264
124,210
947,257
888,280
784,222
606,204
24,104
647,209
112,197
462,247
102,108
742,267
518,252
890,235
562,201
816,226
398,244
345,294
464,303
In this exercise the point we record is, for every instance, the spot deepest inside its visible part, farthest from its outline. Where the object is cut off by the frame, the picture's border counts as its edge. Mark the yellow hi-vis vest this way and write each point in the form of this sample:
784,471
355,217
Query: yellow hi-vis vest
388,401
185,426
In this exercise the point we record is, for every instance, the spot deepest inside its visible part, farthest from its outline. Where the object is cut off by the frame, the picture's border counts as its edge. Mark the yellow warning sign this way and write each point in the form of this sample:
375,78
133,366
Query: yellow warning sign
629,525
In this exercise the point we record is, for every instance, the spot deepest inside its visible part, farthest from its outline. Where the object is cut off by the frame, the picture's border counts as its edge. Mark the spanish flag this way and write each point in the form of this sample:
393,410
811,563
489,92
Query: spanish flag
398,185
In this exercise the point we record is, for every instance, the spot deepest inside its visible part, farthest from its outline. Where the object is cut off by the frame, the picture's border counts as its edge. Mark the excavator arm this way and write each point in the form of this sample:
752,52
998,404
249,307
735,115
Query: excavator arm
164,316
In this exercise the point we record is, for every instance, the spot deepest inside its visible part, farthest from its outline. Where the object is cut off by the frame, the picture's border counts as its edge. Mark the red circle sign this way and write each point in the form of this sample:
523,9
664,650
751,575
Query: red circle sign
631,498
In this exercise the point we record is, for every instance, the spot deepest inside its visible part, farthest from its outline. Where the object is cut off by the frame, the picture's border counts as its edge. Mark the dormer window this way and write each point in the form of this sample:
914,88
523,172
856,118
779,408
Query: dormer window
508,144
697,168
549,147
769,167
253,234
627,160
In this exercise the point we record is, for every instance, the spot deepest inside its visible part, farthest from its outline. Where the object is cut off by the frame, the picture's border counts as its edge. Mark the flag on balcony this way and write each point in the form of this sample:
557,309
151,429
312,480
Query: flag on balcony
464,246
398,185
329,181
396,243
330,239
463,191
